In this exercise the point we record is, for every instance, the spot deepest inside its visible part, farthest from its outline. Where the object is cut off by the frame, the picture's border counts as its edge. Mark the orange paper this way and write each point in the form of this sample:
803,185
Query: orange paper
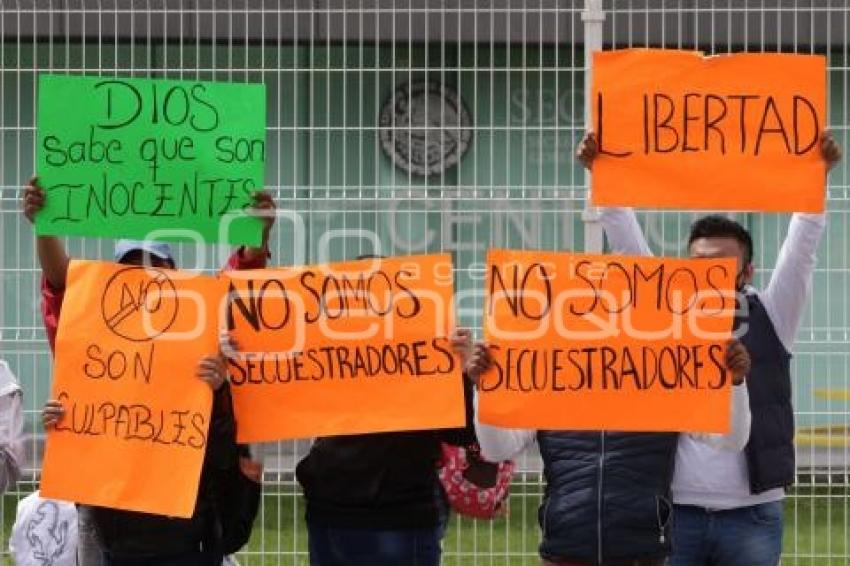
136,416
597,342
346,348
731,132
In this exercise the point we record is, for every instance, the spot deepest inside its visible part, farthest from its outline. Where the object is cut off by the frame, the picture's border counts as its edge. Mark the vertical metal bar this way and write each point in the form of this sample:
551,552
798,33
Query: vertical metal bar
594,18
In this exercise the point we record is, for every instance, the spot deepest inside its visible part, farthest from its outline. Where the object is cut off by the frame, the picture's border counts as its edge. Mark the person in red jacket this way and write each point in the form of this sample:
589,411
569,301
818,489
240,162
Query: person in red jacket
120,538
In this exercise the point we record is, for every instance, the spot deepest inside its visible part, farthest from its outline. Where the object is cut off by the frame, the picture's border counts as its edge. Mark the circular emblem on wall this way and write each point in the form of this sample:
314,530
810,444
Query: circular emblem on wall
425,128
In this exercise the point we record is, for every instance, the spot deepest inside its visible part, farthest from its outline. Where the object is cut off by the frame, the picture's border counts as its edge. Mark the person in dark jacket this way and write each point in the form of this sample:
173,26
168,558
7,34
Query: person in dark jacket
607,496
372,499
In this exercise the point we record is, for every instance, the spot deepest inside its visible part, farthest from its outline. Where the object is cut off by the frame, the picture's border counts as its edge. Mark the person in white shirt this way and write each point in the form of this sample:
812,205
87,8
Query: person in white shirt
728,503
11,428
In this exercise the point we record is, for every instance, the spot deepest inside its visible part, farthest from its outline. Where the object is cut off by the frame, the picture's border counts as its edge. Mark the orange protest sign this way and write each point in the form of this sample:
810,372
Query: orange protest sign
345,348
134,431
730,132
587,342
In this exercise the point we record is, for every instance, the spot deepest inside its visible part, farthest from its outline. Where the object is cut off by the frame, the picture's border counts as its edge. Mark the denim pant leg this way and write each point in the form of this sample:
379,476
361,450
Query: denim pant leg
331,546
750,536
443,512
191,559
322,553
89,550
429,546
691,529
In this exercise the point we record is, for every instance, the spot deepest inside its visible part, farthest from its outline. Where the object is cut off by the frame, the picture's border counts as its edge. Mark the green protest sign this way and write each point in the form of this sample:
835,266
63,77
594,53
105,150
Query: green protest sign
155,159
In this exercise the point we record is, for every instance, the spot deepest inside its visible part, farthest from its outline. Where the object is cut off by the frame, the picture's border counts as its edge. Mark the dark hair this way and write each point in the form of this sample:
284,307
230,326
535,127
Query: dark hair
716,226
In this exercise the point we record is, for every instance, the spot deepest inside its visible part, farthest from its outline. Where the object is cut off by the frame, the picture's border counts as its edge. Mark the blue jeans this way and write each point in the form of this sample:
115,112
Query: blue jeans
443,511
747,536
361,547
192,559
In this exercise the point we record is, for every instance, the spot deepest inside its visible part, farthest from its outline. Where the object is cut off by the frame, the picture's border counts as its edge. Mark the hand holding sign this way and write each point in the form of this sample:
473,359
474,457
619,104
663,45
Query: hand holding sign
52,413
212,371
830,150
479,362
33,199
51,251
461,340
263,207
587,150
737,361
475,357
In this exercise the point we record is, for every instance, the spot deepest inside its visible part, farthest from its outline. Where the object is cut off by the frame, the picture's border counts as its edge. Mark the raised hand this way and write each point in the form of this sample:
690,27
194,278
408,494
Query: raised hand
737,361
587,150
213,371
264,209
479,362
33,199
830,150
52,413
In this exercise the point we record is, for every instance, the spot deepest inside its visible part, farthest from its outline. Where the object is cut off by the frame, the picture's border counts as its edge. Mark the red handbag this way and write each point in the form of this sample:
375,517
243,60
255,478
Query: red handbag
473,486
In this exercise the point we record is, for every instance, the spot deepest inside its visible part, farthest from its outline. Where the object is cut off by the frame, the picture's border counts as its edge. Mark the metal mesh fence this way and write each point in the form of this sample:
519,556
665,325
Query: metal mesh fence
496,87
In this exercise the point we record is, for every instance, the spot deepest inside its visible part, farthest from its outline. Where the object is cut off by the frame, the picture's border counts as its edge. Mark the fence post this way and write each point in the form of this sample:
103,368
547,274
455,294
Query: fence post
593,17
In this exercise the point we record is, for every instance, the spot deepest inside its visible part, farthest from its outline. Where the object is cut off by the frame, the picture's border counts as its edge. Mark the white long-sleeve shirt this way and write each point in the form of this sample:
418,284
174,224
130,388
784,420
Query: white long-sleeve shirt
11,428
790,284
710,475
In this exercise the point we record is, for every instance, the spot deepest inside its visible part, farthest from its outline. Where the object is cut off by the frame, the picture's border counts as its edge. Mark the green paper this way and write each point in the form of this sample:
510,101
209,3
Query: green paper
150,159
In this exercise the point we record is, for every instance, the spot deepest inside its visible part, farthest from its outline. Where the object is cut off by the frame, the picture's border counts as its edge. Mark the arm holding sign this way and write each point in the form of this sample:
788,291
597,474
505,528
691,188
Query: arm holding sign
51,251
620,224
497,444
790,285
738,362
253,258
739,431
475,360
624,232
